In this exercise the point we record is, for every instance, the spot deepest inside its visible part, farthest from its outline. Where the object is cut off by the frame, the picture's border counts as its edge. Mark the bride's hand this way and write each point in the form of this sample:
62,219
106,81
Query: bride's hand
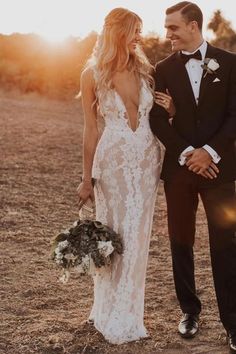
85,191
165,101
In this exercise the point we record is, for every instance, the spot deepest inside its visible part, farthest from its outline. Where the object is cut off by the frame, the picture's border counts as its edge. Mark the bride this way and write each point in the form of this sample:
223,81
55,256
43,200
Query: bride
125,163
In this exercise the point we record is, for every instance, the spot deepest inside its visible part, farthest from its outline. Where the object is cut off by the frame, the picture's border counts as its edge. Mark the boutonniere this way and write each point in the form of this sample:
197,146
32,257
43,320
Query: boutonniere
210,66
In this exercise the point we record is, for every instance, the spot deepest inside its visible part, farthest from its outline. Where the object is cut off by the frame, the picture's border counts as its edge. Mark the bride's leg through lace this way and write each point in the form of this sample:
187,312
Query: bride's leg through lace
119,290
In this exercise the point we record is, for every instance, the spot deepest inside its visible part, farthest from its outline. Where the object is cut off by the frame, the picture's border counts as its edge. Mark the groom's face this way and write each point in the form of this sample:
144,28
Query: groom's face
178,31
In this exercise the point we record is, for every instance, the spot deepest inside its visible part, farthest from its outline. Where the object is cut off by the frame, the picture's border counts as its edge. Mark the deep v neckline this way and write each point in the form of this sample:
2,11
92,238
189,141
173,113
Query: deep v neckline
127,118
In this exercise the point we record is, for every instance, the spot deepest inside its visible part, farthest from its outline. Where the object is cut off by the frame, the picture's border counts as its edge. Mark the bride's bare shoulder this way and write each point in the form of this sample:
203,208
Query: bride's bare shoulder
87,77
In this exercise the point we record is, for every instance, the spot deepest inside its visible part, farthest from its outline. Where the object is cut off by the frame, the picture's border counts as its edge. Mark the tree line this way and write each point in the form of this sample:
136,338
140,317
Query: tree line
30,64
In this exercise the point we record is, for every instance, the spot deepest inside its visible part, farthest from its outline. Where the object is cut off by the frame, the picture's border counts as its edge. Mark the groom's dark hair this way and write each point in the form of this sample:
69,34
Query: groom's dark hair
189,10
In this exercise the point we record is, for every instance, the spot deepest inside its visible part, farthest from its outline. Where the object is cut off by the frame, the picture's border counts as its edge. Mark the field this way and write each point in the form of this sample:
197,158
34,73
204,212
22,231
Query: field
40,144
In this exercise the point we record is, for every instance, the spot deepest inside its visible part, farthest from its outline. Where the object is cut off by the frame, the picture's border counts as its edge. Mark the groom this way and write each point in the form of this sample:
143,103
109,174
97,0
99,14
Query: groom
199,160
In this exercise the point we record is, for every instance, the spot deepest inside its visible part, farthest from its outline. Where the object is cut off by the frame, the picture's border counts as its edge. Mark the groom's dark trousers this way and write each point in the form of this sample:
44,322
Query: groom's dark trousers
212,122
182,201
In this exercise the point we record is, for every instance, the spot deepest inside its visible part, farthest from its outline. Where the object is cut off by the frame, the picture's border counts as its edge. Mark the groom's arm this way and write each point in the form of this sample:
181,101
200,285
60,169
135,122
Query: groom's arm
159,121
227,134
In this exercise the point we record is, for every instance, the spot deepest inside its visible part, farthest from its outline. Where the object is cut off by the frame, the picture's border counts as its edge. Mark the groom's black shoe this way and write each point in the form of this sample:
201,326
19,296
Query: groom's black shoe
188,326
232,341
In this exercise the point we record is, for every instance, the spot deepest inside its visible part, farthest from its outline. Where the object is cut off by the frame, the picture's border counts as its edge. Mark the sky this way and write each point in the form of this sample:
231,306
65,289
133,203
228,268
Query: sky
58,19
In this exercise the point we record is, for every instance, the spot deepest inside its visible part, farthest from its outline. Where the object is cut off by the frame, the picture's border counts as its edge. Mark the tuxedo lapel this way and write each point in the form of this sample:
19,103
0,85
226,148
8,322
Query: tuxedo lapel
206,79
182,78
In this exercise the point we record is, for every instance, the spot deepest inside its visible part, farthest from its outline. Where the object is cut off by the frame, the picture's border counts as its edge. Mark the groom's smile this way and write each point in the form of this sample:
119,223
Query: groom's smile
180,32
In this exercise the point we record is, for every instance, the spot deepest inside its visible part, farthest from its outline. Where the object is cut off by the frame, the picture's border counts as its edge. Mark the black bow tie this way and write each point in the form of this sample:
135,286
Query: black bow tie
185,57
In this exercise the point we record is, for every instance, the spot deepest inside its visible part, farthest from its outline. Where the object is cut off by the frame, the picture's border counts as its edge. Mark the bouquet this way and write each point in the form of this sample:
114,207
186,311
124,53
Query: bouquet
86,246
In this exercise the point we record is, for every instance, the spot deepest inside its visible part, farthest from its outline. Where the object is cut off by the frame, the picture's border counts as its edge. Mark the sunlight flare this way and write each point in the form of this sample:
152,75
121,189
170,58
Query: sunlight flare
54,37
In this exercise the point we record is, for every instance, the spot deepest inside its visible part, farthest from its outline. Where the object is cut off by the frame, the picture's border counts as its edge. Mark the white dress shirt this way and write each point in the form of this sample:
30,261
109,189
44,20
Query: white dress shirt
194,69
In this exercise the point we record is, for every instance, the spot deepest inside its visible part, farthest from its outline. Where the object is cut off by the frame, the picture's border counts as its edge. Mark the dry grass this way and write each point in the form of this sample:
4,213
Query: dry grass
41,162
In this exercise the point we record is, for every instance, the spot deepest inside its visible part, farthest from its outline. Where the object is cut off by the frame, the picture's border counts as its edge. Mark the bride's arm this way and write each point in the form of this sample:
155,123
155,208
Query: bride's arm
165,100
90,134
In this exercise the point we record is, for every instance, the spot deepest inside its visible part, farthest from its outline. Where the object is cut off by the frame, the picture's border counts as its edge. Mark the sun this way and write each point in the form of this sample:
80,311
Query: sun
56,37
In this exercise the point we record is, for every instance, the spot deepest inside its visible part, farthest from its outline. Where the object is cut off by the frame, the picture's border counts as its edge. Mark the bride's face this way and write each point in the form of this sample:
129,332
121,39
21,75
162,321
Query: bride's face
135,38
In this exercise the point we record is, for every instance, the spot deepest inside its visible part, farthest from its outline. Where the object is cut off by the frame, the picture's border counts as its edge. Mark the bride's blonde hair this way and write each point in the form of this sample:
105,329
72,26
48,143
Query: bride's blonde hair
111,51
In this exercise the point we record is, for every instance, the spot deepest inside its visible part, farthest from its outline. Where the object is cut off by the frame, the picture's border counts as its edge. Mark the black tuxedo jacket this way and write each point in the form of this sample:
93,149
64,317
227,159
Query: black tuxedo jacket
212,121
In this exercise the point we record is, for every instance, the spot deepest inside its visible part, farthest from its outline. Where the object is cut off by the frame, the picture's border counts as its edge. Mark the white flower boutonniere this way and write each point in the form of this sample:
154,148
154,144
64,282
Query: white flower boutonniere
210,66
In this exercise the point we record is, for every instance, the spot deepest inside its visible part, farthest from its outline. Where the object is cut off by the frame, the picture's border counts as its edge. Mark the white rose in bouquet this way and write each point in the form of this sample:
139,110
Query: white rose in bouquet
105,248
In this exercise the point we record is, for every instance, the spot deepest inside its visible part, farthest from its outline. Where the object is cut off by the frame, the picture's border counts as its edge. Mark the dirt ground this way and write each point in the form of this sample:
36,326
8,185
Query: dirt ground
40,145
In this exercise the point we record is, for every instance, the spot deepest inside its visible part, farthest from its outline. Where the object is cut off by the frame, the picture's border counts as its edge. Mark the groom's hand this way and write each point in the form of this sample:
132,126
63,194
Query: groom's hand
200,161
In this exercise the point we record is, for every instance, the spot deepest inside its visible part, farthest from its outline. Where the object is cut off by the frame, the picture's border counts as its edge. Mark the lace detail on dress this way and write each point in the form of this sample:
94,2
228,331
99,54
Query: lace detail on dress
127,168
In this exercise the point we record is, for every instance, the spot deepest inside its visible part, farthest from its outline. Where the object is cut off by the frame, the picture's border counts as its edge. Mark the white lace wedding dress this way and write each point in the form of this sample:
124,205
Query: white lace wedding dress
126,168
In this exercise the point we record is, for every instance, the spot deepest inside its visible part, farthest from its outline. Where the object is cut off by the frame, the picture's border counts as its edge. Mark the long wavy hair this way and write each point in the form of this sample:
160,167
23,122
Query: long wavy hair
111,52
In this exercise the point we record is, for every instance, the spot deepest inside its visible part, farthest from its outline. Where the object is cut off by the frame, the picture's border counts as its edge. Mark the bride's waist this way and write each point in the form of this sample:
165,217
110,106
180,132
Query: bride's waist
142,136
126,130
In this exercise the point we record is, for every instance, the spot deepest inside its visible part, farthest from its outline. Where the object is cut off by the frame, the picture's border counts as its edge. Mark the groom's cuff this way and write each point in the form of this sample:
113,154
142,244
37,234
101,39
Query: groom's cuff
182,158
215,157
